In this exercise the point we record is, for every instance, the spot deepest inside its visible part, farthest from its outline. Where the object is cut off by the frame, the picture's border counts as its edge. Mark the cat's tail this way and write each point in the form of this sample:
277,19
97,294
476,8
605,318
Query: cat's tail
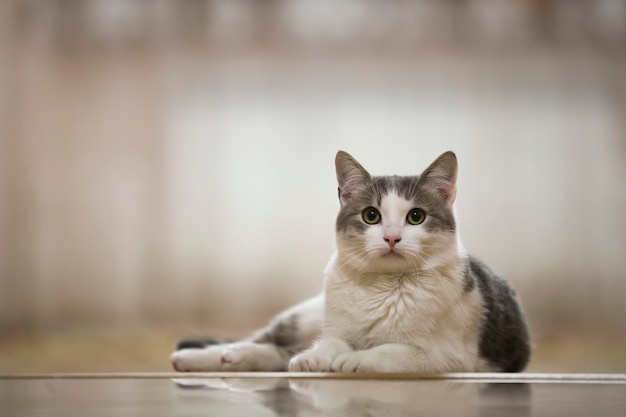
200,342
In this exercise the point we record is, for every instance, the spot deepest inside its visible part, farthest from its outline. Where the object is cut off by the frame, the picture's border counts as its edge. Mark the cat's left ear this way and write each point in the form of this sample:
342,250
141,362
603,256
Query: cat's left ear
441,176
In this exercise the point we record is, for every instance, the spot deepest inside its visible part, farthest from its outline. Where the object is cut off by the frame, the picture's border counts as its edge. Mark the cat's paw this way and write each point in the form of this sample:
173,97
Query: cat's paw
233,360
241,358
310,361
354,362
248,356
197,360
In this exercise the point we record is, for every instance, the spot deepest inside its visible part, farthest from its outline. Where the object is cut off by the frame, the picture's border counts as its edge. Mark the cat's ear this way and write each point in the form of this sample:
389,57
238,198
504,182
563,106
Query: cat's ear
441,175
351,176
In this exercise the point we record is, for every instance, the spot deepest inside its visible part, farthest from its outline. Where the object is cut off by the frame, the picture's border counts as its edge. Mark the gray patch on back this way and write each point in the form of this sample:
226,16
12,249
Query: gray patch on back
503,340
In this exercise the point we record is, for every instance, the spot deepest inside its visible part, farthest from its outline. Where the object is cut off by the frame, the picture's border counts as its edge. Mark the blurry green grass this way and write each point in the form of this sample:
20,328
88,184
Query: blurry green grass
145,350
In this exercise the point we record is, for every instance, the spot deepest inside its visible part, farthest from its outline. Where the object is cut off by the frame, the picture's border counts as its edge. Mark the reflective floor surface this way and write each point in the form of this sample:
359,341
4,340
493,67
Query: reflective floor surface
272,395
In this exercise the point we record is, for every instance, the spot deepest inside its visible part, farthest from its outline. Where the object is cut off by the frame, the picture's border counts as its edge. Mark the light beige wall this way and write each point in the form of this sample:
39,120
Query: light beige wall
186,174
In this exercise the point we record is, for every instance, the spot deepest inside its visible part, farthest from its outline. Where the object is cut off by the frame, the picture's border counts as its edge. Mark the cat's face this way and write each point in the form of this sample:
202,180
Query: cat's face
390,224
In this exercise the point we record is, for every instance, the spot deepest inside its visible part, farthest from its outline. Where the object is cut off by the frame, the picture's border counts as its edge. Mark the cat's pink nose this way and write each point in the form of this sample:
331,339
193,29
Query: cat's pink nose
392,240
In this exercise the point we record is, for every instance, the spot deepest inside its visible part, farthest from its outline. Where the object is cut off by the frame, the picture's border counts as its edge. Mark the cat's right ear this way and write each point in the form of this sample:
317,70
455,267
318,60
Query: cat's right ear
351,176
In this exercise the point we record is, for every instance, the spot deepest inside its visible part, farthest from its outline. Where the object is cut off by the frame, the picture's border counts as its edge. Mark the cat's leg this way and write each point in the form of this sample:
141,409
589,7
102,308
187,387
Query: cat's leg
267,350
250,356
397,357
195,359
232,357
321,357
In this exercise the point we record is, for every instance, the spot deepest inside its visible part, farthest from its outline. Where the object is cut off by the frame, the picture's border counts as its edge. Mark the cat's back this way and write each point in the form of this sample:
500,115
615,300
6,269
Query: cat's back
504,342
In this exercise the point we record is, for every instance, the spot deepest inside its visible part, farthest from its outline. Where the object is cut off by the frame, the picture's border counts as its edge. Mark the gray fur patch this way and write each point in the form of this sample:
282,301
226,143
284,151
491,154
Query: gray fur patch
504,341
469,282
284,334
198,343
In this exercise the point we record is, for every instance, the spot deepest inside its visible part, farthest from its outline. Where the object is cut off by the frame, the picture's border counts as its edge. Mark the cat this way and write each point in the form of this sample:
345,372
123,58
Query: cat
401,294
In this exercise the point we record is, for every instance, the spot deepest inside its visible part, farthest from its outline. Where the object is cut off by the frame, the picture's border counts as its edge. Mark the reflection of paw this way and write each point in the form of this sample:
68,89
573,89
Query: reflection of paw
353,362
196,383
310,362
301,385
254,384
323,394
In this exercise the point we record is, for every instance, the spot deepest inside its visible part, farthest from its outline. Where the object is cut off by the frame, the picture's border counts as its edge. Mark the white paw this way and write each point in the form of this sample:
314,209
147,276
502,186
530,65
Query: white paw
234,357
353,362
197,360
234,360
310,361
249,356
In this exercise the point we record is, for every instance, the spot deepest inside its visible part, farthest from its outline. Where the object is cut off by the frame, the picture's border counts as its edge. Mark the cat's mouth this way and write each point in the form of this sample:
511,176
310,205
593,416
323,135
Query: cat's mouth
391,254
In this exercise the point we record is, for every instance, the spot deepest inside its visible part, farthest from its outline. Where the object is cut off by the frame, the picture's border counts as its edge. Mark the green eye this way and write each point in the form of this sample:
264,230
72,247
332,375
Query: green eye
371,215
416,216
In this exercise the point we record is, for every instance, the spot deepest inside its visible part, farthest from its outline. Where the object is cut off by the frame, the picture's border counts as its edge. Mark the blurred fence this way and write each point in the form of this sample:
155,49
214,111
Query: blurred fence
325,26
172,161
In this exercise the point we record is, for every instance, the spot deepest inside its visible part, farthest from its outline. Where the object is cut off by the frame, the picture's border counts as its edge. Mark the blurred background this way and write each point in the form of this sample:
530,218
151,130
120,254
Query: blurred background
167,167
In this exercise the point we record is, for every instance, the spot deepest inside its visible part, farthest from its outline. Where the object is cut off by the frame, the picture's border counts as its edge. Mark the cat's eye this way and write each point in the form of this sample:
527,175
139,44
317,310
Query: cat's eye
371,215
416,216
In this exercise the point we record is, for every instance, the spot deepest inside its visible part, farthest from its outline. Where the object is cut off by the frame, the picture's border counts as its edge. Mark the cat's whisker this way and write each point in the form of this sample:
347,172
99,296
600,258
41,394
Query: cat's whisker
422,260
353,254
414,263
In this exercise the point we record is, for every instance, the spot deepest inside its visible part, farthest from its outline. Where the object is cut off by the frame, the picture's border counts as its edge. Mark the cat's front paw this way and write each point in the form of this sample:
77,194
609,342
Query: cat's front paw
354,362
310,361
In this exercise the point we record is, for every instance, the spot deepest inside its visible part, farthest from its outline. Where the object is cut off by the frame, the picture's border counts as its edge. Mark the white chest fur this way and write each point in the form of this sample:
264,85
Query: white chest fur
430,310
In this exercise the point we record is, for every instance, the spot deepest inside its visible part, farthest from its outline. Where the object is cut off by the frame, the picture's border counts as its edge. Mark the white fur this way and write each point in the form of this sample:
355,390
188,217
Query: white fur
399,312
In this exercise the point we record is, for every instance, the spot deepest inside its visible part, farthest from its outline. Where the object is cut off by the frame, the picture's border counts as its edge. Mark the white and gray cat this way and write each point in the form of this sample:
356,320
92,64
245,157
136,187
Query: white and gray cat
401,294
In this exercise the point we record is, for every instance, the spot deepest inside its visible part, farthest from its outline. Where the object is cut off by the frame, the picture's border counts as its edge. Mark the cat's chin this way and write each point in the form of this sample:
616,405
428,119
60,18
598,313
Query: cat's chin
393,261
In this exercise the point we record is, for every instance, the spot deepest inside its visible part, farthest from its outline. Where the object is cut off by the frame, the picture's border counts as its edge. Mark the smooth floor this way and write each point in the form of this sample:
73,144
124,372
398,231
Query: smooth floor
274,395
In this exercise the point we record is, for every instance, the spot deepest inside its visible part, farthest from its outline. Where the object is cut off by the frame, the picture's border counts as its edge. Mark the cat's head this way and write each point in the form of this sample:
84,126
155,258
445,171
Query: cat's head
396,223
